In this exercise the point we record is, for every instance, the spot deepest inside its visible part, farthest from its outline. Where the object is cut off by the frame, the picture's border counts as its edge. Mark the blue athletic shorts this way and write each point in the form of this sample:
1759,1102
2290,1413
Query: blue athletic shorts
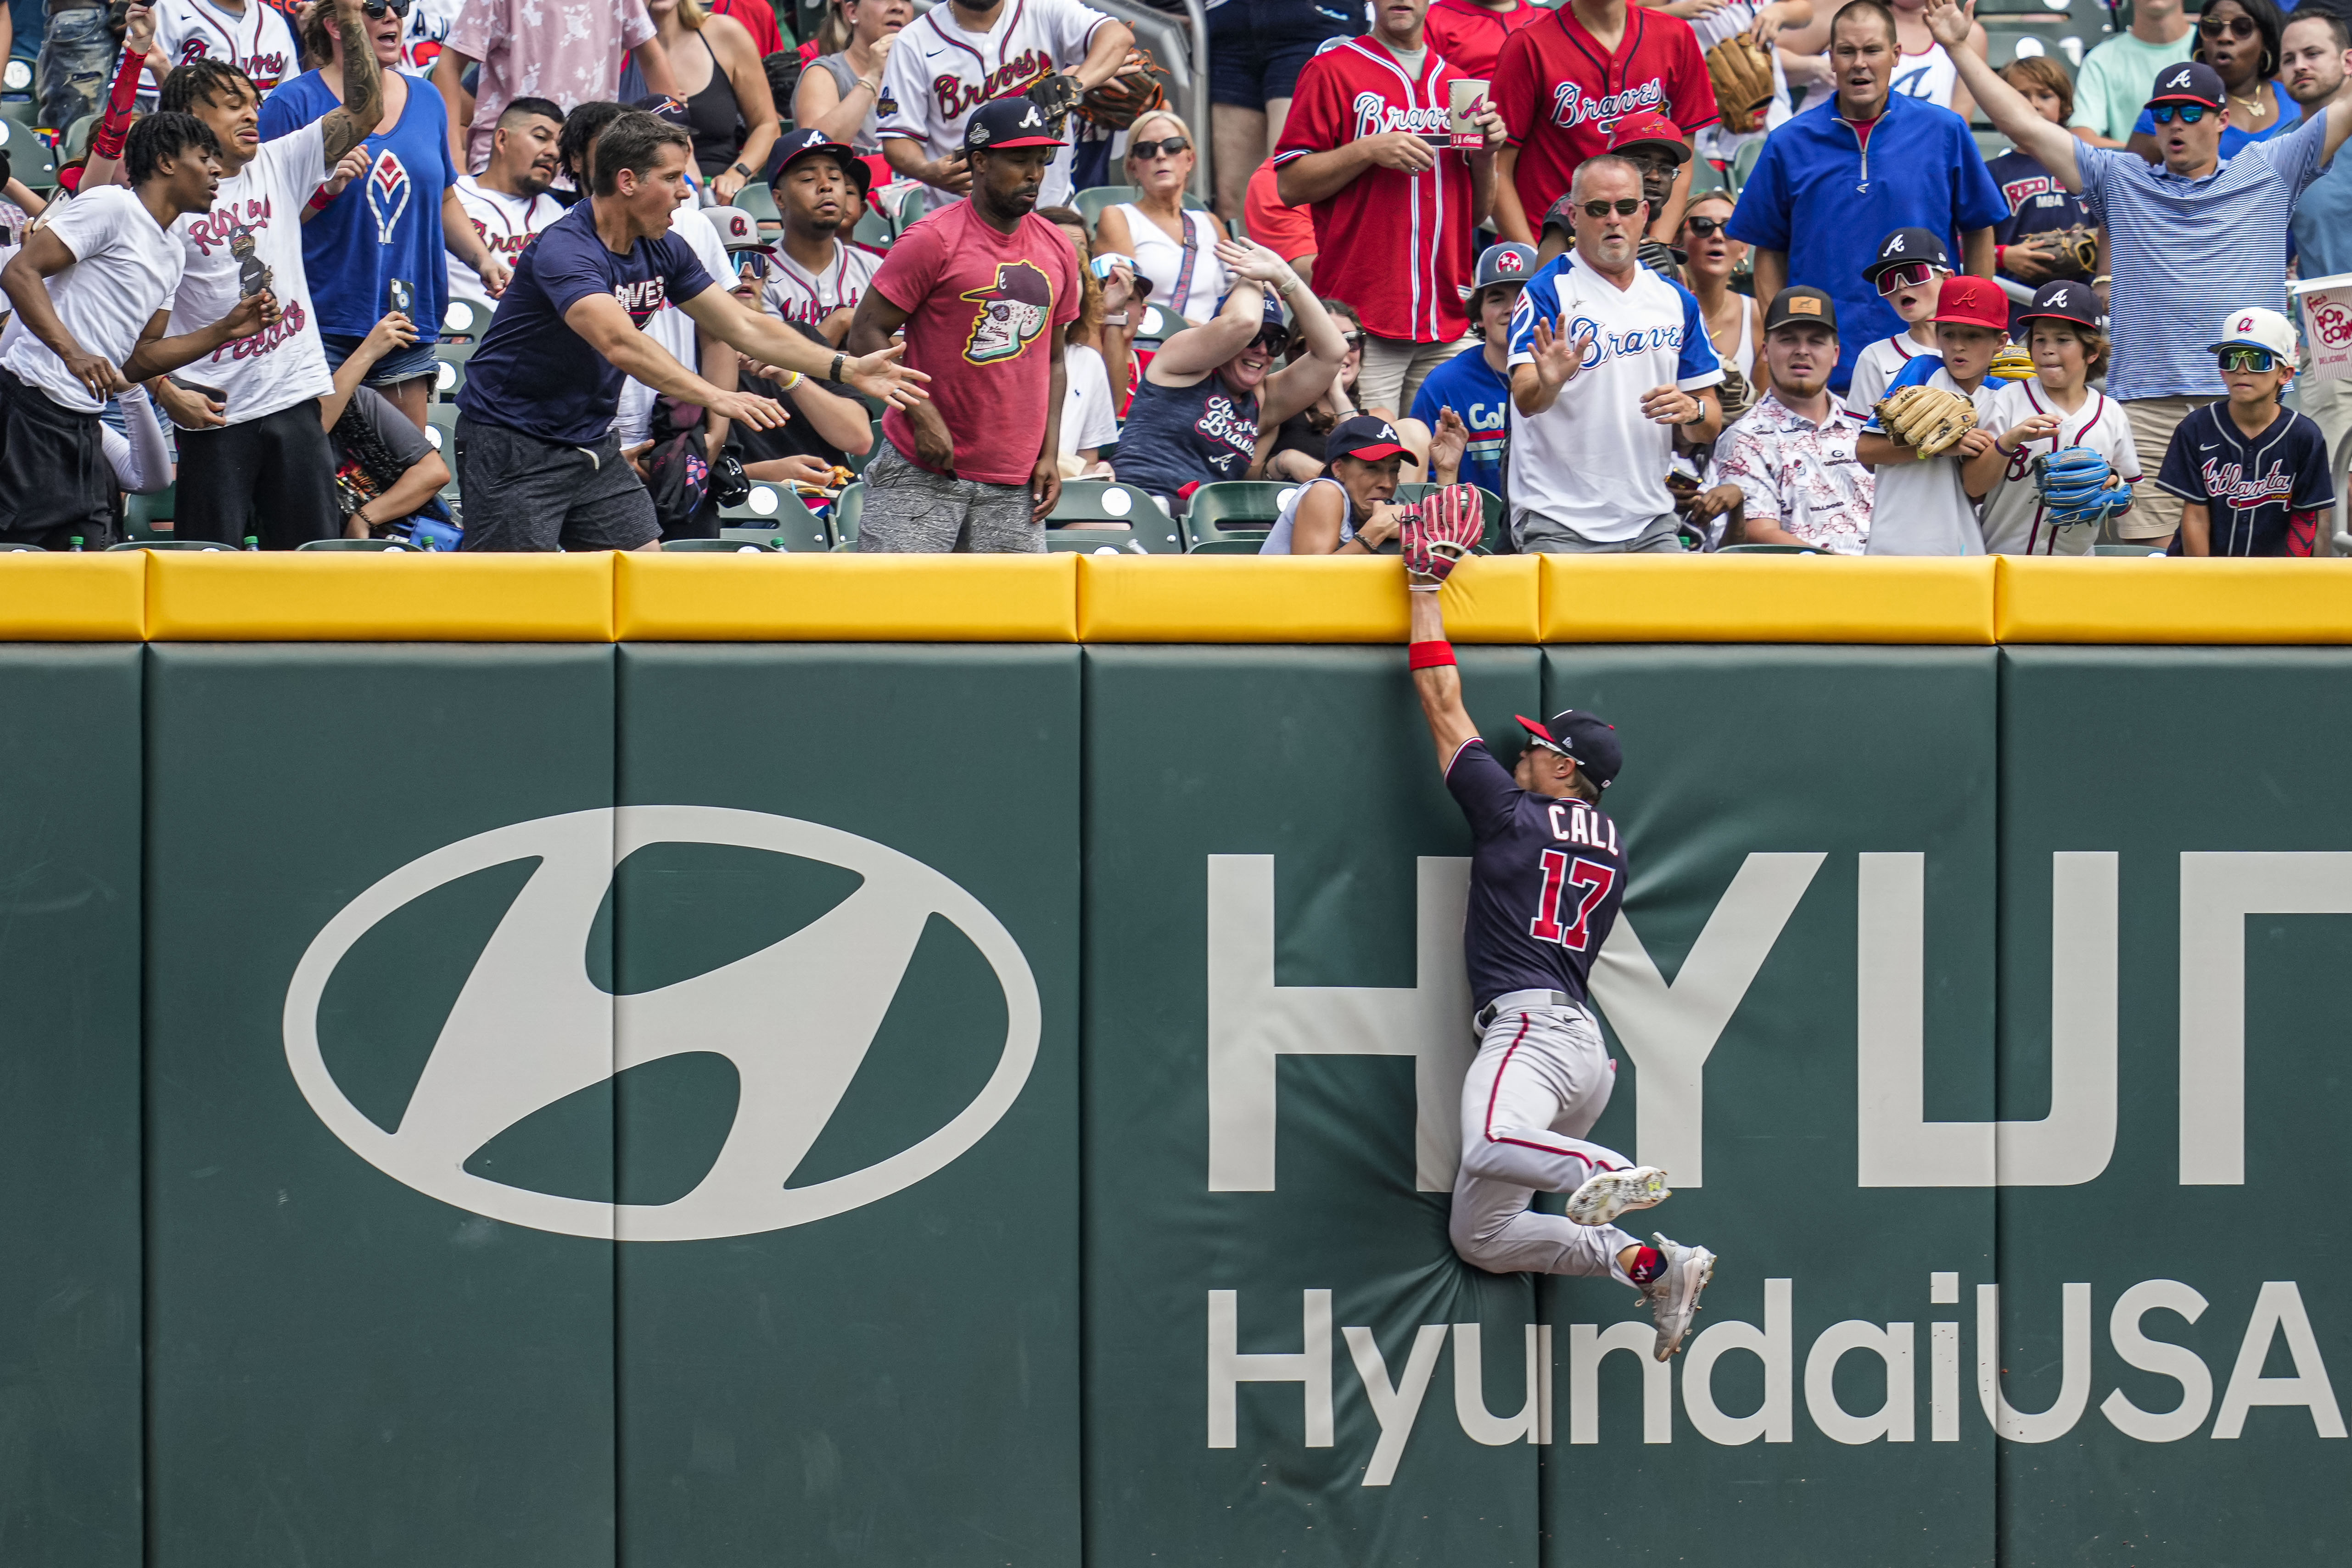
1257,47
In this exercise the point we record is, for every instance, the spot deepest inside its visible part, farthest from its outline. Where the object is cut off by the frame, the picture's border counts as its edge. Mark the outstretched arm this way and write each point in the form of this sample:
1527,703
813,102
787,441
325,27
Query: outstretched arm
362,106
1953,23
1438,684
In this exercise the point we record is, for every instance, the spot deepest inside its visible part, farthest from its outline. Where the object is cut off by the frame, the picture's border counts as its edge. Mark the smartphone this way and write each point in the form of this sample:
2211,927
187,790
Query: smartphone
1463,97
403,298
200,390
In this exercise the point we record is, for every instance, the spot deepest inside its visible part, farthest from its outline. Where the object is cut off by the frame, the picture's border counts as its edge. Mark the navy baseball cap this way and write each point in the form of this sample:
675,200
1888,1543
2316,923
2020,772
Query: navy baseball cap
799,144
1272,324
1367,438
1589,742
1507,261
2067,299
2187,81
1008,123
1905,245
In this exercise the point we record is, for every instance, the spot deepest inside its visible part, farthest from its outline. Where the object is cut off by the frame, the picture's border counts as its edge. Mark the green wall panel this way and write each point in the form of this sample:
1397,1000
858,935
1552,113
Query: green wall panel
342,1369
69,1268
2216,781
896,1382
1742,766
1301,785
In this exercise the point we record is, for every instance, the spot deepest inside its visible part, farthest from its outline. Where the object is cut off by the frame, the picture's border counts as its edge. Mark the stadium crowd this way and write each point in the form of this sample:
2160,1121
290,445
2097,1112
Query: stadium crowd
1689,276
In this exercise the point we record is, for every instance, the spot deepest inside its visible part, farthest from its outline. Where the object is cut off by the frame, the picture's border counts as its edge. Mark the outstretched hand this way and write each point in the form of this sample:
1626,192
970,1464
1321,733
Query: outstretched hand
1447,444
1558,359
881,375
1950,22
1247,258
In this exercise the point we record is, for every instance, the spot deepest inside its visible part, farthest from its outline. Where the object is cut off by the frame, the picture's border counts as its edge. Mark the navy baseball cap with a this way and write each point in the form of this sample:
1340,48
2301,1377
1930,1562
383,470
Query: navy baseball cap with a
799,144
1367,438
2187,81
1590,743
2064,300
1905,245
1008,123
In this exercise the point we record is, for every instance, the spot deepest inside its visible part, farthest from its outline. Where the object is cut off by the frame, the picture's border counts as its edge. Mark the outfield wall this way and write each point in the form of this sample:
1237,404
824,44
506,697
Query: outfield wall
726,1061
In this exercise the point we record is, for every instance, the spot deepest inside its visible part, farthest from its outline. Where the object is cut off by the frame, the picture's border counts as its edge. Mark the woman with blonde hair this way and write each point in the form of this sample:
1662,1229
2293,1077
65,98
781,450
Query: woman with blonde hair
1176,248
730,112
837,95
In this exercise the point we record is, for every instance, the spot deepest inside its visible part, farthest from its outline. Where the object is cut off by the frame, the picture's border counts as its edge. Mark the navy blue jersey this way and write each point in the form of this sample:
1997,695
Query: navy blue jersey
1545,882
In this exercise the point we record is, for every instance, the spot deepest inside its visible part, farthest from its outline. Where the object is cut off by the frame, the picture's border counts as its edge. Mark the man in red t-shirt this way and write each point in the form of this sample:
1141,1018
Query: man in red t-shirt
983,288
758,18
1288,232
1470,33
1395,206
1564,83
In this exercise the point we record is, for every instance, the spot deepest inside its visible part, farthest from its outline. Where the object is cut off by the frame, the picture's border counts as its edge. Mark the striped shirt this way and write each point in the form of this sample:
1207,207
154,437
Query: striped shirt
2186,253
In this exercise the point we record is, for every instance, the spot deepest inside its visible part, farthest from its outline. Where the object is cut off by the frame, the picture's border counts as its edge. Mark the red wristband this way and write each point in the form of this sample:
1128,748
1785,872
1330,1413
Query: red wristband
1429,655
319,201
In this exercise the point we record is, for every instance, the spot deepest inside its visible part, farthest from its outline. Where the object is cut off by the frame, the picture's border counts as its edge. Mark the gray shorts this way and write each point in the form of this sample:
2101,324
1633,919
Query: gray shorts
910,510
1540,535
522,493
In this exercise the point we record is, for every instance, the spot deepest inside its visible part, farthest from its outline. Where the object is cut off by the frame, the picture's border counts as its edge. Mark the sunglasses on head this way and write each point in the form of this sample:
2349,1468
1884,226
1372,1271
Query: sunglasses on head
751,264
1910,275
2227,26
2189,113
1703,227
1170,145
1625,208
2247,359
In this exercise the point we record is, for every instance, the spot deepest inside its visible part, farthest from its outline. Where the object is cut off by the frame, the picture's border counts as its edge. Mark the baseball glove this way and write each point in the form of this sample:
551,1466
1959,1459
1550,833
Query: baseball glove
2077,487
2081,243
2012,364
1743,83
1056,95
1437,531
1127,97
1734,394
1927,419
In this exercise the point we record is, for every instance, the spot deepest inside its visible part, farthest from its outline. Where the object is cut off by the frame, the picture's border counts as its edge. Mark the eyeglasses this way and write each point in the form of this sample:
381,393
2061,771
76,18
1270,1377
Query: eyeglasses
1703,227
2229,26
751,264
1170,145
2191,114
374,9
1910,275
2247,359
1624,208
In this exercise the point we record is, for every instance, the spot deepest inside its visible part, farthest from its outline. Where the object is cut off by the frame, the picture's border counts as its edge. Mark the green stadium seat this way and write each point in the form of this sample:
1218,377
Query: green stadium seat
1107,500
846,510
1770,549
760,201
464,319
1091,201
1237,505
30,158
173,544
873,229
448,376
779,507
715,547
145,516
1094,541
1246,542
8,547
379,545
2141,550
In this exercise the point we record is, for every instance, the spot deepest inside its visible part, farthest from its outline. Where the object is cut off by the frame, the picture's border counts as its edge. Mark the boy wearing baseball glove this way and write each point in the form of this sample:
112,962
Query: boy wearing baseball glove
1927,427
2064,462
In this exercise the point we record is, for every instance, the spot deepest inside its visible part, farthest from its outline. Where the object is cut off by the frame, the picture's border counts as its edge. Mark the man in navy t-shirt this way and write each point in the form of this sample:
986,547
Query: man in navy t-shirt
538,464
1546,880
1474,382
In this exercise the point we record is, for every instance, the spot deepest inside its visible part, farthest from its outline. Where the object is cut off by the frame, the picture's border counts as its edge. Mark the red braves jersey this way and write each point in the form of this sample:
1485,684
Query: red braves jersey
1395,246
1561,93
1470,36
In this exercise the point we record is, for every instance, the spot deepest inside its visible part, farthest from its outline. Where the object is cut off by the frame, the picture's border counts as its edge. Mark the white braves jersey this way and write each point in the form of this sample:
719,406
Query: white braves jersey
2012,514
420,40
796,294
1876,368
1922,508
255,40
506,223
938,73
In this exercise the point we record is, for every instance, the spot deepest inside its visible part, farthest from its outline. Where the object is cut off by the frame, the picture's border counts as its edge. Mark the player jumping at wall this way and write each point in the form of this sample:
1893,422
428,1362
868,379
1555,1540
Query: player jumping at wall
1546,881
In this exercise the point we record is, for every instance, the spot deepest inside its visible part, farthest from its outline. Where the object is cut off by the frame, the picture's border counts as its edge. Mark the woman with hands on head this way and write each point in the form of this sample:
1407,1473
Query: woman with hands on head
1211,388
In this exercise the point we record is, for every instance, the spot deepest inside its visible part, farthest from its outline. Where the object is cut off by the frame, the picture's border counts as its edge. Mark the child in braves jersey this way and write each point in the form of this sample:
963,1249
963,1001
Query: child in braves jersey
2254,475
1546,878
2035,419
1908,274
1923,506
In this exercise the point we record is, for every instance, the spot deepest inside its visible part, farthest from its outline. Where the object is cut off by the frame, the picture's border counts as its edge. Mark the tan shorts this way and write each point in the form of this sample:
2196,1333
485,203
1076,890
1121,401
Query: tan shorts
1393,369
2155,513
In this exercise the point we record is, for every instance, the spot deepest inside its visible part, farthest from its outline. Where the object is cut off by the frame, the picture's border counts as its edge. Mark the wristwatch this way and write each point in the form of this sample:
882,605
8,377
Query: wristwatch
743,169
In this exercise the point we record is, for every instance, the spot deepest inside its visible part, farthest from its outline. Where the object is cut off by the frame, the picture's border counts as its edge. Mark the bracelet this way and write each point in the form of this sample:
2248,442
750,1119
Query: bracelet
1429,655
1288,286
2000,258
873,87
2103,277
2004,451
839,361
793,379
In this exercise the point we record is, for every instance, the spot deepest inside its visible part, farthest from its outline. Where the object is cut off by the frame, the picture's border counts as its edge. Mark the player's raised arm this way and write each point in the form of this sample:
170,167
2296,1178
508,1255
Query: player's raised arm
1436,680
1438,532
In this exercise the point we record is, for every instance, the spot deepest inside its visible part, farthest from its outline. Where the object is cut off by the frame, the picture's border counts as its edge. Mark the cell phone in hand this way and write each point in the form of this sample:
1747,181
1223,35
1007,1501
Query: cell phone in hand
402,298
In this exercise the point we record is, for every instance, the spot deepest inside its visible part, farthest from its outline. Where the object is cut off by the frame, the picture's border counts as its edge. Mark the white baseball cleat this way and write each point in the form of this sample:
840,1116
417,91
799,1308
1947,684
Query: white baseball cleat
1611,1193
1674,1294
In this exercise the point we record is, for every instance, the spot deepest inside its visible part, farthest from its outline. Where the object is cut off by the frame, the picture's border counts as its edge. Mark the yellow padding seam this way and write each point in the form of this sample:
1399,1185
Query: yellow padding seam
73,597
846,598
1301,599
2116,599
393,596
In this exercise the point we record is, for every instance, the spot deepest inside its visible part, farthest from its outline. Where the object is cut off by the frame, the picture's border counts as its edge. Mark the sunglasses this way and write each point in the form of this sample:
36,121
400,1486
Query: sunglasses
1910,275
1703,227
1626,208
376,9
1353,340
1168,146
1273,339
751,264
2191,114
2232,26
2247,359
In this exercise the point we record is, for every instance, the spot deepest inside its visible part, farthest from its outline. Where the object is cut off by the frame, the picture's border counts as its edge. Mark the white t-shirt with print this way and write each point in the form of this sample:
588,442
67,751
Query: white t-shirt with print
277,366
126,266
1922,508
1877,366
506,225
1088,421
794,293
2011,516
672,328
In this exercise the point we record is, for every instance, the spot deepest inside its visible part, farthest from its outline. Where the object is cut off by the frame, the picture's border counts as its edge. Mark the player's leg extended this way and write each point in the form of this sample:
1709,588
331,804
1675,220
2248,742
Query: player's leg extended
1541,1078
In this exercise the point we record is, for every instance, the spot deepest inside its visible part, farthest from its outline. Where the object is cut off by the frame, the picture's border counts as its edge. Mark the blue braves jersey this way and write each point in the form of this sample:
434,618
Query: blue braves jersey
1546,881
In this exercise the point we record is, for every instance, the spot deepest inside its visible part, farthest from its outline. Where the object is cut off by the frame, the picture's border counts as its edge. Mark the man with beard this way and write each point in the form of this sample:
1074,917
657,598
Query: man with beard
2315,50
983,290
508,202
816,281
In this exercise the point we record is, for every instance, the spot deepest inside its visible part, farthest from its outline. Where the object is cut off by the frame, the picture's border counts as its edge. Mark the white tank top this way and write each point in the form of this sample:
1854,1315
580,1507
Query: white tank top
1161,259
1744,356
1277,539
1929,75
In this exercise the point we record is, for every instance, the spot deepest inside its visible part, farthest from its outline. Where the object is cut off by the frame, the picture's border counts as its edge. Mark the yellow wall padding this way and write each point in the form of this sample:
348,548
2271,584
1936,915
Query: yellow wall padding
2114,599
394,597
1768,599
73,597
847,598
1293,599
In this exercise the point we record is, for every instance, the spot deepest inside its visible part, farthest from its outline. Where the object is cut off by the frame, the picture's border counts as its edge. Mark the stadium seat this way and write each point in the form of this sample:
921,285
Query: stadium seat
355,544
1157,324
441,432
1244,506
760,201
1094,541
17,75
873,229
1770,549
1091,201
145,516
8,547
172,544
779,507
846,511
448,376
1244,542
2139,550
1496,538
465,320
1743,164
1107,500
30,158
715,547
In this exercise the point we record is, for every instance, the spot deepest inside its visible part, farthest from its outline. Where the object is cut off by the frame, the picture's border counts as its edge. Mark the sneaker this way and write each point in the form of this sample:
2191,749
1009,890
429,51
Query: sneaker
1674,1294
1611,1193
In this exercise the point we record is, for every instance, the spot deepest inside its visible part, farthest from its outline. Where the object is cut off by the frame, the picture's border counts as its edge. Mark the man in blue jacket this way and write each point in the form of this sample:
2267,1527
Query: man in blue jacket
1837,179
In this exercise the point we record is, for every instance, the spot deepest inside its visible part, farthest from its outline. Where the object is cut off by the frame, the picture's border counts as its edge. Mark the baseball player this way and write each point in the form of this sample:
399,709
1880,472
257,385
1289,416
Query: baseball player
955,57
1546,880
247,34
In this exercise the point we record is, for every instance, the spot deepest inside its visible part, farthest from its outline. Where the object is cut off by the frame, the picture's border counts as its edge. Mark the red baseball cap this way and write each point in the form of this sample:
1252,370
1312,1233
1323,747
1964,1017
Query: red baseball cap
1652,130
1971,301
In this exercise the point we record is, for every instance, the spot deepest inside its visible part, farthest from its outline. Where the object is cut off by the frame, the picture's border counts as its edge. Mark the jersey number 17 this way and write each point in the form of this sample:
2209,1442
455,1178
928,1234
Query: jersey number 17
1593,880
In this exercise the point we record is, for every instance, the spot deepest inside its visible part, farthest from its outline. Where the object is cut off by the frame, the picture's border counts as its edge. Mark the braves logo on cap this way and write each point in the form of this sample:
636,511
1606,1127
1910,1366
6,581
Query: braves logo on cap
2175,77
1893,246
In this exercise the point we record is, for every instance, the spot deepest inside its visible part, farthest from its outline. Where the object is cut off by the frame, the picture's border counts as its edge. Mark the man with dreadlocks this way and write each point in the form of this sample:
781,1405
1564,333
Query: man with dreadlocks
388,477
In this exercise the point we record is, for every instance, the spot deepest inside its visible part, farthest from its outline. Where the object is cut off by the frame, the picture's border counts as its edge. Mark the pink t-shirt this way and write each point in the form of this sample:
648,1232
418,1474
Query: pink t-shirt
543,49
979,306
